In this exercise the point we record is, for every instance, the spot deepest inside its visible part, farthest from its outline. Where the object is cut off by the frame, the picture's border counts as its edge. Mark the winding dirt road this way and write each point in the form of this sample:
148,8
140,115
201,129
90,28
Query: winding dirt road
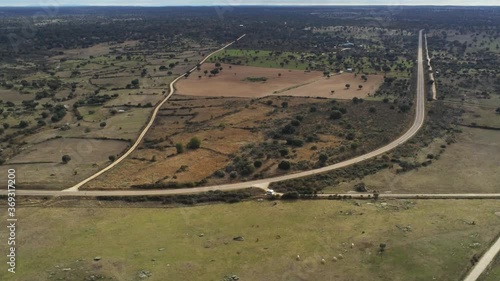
148,126
263,183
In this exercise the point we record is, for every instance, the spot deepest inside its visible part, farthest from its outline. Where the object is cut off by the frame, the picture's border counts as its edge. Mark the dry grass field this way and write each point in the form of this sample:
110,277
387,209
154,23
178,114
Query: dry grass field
468,166
234,82
40,165
425,240
235,133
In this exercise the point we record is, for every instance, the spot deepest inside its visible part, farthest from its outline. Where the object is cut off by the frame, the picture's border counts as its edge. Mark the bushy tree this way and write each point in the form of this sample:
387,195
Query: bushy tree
66,158
180,148
323,158
194,143
336,114
284,165
294,195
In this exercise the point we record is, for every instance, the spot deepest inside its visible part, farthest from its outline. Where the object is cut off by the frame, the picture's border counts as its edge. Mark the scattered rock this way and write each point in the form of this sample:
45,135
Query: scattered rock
335,259
298,258
144,274
323,261
474,245
231,278
97,258
201,235
404,228
161,249
497,214
239,238
341,256
66,269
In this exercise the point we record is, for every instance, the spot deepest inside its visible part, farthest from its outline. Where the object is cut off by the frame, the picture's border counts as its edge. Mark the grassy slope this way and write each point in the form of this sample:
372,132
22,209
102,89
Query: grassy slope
128,240
493,274
467,166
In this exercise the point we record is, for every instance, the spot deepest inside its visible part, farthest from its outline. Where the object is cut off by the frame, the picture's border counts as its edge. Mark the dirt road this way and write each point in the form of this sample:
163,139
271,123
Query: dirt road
263,183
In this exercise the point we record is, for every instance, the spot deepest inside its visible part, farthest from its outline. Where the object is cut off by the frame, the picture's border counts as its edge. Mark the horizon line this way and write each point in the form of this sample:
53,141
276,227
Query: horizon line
254,5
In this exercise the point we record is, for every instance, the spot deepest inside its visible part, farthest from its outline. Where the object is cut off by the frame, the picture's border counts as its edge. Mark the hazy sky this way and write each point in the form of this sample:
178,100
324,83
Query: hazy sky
242,2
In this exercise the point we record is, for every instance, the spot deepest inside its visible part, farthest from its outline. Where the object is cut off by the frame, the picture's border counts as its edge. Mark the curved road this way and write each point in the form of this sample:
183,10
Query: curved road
263,183
148,126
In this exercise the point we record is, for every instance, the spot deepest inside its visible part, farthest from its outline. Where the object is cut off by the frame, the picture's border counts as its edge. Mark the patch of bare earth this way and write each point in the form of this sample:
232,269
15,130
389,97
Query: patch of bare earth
234,82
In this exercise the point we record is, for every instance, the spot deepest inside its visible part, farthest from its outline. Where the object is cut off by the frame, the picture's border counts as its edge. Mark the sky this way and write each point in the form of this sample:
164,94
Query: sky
242,2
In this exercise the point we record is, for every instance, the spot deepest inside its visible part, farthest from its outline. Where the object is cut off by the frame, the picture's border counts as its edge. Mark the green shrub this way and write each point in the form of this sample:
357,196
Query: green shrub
284,165
66,159
336,114
194,143
179,147
323,157
294,195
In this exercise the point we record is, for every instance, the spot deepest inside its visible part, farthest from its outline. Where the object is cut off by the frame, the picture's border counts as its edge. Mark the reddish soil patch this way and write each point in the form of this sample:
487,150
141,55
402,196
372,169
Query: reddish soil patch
233,82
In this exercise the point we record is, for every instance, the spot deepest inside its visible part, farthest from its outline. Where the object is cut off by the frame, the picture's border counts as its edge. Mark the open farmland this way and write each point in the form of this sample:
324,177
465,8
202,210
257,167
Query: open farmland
40,165
256,82
197,243
100,95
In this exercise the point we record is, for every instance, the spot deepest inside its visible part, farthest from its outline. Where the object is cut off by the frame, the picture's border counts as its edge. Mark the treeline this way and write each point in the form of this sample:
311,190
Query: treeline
188,199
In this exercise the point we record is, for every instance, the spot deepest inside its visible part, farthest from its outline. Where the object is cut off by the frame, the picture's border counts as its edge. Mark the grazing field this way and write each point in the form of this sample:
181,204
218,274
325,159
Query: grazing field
424,240
40,165
471,166
256,82
333,60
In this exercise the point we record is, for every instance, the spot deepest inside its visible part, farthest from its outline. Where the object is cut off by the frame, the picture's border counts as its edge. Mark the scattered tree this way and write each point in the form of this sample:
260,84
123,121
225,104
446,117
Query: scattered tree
194,143
180,148
284,165
294,195
336,114
66,158
360,187
323,157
